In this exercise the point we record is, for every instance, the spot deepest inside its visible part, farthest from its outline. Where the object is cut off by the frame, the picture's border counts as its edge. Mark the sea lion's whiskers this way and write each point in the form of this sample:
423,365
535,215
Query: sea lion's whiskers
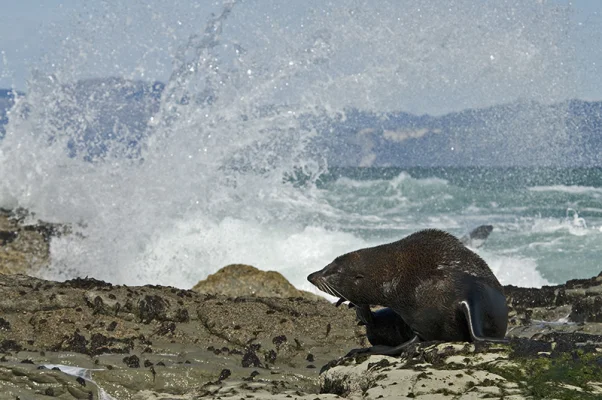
333,291
321,284
325,287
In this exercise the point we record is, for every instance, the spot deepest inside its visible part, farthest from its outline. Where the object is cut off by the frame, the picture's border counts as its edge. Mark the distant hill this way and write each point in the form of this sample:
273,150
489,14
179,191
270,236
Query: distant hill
522,133
516,134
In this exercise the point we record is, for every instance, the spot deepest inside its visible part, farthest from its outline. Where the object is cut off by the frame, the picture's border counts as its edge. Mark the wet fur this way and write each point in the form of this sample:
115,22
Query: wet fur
430,280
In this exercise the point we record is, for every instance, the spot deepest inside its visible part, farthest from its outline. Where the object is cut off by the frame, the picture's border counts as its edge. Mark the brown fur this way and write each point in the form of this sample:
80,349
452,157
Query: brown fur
423,278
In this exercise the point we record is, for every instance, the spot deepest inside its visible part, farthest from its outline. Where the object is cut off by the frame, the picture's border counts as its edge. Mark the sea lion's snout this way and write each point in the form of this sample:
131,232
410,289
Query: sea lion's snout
325,280
314,277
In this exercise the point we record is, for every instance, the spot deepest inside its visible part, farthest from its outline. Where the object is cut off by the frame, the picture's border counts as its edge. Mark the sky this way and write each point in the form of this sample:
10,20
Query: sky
137,41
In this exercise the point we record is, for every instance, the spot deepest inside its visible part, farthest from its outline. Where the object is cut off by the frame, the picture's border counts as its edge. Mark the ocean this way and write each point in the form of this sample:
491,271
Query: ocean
547,221
225,170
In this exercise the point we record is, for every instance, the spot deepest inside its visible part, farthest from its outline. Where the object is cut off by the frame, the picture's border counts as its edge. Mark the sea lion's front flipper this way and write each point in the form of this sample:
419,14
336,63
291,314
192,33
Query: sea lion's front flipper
340,301
364,314
384,350
474,317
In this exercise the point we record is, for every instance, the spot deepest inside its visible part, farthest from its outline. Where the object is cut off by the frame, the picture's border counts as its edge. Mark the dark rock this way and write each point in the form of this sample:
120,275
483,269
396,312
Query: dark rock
99,343
76,343
9,345
7,237
250,359
4,325
224,374
278,340
519,297
132,361
587,309
270,356
182,315
87,283
166,328
152,308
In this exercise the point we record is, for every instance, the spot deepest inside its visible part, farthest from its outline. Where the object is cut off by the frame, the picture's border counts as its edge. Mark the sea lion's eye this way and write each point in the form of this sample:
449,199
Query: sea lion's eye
359,276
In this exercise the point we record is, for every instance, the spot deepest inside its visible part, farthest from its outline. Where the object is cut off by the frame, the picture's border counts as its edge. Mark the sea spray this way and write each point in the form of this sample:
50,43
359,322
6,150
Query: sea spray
221,165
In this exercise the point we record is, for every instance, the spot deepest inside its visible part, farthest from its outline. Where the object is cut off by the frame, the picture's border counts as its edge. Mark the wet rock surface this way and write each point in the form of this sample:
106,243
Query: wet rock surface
166,340
161,342
237,337
523,369
575,306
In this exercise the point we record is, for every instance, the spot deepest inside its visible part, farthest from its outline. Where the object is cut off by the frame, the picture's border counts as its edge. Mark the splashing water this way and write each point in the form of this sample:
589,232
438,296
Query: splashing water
208,178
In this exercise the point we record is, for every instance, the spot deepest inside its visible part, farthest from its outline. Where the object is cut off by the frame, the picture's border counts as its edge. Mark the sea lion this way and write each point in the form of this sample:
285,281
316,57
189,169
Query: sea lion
439,288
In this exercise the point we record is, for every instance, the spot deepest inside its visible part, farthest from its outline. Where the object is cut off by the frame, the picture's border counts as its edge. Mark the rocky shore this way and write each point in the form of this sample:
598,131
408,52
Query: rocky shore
88,339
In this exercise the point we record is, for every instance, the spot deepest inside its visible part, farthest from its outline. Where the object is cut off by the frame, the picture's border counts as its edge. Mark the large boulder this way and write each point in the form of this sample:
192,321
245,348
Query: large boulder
245,280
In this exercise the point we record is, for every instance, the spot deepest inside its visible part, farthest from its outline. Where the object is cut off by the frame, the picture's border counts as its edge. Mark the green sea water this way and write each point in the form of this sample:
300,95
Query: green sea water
547,221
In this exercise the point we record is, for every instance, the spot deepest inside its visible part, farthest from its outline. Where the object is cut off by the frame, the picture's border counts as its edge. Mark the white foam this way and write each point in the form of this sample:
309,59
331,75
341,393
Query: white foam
594,191
515,270
208,186
84,373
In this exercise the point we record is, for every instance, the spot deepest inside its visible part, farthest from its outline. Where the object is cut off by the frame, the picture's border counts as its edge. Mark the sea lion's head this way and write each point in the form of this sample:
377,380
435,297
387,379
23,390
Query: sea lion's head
346,277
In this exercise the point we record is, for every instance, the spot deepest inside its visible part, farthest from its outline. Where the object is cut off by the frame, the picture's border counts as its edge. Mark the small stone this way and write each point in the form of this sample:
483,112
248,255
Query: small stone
250,359
224,374
132,361
4,325
278,340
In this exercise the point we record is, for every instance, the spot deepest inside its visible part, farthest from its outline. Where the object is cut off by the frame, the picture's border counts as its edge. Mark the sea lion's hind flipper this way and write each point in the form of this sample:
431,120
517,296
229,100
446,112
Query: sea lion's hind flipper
475,324
384,350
